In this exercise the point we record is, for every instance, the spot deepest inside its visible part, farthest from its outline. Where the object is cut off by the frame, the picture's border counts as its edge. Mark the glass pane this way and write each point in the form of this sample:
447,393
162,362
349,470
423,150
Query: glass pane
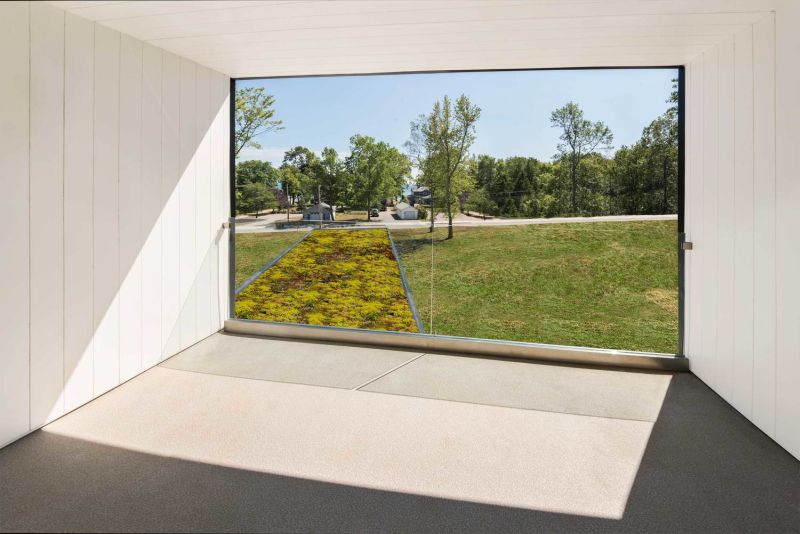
534,206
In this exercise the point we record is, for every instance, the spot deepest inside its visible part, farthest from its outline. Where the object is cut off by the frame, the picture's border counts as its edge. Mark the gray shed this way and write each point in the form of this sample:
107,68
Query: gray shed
319,212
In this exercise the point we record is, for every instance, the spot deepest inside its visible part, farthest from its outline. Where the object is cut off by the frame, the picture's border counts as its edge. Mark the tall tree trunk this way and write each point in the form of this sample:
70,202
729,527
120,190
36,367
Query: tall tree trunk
449,224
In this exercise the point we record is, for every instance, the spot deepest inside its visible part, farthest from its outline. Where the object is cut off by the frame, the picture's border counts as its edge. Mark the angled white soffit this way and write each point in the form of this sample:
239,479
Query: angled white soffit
283,38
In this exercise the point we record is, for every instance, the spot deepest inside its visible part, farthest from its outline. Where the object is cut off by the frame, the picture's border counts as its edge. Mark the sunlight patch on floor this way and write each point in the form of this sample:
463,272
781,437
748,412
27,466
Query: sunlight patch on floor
506,456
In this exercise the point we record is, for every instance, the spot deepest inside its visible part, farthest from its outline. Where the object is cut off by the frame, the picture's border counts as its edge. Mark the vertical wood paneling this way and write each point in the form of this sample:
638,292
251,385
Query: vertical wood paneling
78,215
151,206
106,209
708,241
787,188
187,189
764,228
203,242
98,130
726,221
219,194
742,390
130,207
46,213
170,214
14,269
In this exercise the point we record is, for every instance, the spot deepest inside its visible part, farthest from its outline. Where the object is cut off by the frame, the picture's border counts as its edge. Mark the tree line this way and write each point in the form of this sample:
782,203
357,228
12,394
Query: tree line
580,180
373,171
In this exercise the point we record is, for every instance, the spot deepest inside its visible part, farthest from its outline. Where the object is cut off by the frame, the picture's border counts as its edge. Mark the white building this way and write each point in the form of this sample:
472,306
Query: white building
406,212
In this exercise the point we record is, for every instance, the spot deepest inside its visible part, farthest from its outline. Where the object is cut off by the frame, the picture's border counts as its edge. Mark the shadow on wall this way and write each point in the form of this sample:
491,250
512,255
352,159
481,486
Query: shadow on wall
705,469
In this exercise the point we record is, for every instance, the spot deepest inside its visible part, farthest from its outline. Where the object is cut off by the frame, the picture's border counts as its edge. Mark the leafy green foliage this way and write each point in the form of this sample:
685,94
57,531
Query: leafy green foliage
253,117
378,171
255,198
440,143
347,278
579,137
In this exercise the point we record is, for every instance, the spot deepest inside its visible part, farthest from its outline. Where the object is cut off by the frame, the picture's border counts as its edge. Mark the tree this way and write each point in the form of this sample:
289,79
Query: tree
579,137
480,202
255,171
644,177
306,168
378,171
441,142
291,179
253,117
333,178
255,198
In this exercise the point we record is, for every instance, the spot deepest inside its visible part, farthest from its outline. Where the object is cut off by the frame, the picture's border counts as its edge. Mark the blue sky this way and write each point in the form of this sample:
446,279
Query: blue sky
516,106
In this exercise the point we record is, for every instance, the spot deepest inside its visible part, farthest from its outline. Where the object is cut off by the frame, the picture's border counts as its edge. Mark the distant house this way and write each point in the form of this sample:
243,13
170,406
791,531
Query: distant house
319,212
420,195
406,212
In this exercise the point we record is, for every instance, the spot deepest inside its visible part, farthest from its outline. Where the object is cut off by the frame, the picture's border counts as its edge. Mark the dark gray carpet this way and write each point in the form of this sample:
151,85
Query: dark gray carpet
706,469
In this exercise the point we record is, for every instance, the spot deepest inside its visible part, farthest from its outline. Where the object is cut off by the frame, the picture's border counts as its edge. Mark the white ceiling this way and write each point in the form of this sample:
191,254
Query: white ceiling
278,38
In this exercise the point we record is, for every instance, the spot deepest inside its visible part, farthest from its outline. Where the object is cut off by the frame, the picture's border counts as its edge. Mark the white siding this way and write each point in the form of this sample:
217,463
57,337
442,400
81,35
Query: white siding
743,289
14,205
78,236
92,146
787,215
47,213
106,209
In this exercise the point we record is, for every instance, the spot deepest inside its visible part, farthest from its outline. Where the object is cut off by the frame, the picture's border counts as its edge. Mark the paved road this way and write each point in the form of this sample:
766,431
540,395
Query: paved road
266,223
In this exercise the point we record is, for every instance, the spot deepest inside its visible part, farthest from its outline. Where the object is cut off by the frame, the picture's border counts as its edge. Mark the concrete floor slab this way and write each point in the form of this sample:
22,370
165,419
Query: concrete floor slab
536,386
297,362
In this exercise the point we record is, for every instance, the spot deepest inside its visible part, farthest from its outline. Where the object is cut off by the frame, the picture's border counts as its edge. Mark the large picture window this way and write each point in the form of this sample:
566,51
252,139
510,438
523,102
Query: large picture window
536,206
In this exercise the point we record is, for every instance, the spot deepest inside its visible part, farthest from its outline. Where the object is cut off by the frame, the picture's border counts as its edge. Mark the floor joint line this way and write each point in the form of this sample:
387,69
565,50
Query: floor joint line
392,370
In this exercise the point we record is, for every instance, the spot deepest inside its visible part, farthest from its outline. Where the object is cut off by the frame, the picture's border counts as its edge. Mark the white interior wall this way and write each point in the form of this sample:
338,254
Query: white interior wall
742,198
113,156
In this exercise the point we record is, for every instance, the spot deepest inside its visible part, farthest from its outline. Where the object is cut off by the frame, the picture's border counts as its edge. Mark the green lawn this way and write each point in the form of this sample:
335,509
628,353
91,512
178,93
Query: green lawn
253,251
602,284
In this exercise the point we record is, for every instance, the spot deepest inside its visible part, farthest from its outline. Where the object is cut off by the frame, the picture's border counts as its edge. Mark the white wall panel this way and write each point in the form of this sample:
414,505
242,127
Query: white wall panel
151,206
220,201
742,392
14,269
708,248
130,207
743,270
47,213
203,241
170,214
91,150
106,209
726,216
187,194
764,209
787,194
78,227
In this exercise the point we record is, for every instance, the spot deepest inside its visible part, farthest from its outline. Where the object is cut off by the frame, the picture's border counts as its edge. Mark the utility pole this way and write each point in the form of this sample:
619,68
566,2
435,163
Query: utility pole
319,205
288,201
